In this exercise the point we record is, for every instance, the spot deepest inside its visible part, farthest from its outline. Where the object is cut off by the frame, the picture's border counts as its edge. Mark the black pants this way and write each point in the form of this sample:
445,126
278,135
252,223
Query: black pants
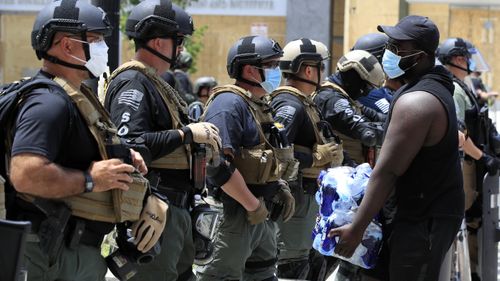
417,249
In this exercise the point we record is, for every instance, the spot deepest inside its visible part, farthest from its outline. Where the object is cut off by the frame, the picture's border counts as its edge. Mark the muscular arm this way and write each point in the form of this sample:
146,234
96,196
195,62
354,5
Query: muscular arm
418,120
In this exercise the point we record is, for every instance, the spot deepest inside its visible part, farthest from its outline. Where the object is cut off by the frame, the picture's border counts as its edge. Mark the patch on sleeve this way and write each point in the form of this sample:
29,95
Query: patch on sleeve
341,105
383,105
131,98
285,114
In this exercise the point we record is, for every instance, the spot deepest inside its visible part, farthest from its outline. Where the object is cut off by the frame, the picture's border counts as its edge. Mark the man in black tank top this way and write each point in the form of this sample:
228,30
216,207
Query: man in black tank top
419,158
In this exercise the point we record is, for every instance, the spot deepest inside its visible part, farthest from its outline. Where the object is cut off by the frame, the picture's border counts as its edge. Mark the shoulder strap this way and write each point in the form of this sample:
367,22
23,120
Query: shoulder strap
170,98
333,86
255,105
96,117
311,108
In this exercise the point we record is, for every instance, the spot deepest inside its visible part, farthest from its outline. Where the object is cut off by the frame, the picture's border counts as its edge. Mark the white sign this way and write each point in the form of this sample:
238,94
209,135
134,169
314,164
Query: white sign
238,7
258,29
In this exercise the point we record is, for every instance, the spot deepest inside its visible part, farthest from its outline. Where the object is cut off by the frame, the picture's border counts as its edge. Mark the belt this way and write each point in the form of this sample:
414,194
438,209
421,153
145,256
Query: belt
88,238
175,197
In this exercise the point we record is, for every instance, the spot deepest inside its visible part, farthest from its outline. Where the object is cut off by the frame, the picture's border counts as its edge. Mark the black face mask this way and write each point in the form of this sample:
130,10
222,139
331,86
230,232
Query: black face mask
354,85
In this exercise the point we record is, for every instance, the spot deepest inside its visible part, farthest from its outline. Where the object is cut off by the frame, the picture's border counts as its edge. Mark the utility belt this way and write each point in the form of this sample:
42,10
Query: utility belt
179,190
74,233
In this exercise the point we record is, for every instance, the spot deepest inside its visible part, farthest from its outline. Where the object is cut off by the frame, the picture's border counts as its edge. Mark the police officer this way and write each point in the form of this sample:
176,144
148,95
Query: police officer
186,29
147,110
455,56
302,65
203,86
358,72
67,164
250,167
184,61
378,99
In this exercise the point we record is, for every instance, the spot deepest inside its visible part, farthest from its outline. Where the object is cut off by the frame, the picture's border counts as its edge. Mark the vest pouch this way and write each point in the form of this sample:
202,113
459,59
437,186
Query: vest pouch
128,204
288,165
176,160
256,165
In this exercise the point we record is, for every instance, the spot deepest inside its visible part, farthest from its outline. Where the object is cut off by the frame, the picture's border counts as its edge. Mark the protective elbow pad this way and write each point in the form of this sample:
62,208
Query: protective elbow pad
219,175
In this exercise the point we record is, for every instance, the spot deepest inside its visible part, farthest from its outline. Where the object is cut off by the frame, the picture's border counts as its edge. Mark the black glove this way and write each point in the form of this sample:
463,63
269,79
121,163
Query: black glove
491,163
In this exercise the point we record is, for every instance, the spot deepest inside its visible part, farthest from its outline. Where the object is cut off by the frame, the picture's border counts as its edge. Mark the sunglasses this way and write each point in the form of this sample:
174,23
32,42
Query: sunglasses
322,66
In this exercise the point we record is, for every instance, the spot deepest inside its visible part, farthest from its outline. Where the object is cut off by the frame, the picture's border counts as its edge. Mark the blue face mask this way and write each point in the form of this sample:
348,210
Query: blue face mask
272,79
390,62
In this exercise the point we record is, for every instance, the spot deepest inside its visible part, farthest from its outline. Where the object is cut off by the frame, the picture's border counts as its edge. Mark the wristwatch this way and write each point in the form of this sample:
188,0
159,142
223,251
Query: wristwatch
89,183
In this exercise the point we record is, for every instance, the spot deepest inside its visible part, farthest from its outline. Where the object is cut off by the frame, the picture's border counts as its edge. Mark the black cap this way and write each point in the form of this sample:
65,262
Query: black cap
415,28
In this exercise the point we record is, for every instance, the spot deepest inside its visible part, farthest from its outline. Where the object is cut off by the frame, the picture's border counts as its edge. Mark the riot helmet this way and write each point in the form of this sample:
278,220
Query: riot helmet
71,16
205,82
184,20
373,43
251,50
360,65
301,52
152,19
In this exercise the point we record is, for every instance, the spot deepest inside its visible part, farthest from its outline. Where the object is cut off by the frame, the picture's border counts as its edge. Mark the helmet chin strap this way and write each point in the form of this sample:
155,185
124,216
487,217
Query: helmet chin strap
295,77
461,67
86,50
253,83
172,60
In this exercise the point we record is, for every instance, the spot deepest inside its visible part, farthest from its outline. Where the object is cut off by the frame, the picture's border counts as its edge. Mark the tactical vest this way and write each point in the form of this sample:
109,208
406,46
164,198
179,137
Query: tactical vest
472,120
115,205
259,164
178,159
353,146
314,116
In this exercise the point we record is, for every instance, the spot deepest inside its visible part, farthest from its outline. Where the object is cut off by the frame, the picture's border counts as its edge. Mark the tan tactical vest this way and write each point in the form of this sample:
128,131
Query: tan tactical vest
111,206
313,115
178,159
259,164
353,146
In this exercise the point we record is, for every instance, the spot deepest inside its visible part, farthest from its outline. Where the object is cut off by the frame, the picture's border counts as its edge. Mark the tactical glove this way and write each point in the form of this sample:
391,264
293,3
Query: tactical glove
259,215
205,132
147,230
338,159
323,154
284,197
491,163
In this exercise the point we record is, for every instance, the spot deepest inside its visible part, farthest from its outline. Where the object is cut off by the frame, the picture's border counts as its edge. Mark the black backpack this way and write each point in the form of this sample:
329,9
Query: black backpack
11,96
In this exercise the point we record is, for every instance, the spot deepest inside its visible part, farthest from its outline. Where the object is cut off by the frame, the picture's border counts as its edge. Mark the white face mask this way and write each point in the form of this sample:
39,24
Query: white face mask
98,62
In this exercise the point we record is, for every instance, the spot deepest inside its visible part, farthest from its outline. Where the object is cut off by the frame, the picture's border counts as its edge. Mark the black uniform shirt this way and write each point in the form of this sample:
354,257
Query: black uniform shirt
290,111
49,124
138,110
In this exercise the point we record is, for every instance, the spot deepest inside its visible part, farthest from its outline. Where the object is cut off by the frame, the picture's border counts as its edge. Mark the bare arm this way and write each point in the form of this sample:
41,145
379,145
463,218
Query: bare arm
36,175
417,121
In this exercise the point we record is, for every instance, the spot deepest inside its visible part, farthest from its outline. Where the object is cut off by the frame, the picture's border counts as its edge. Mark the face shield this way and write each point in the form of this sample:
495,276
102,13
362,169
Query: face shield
477,62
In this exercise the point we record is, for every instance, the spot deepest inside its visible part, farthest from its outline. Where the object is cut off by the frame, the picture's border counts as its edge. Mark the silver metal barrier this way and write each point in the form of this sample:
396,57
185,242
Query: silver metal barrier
490,229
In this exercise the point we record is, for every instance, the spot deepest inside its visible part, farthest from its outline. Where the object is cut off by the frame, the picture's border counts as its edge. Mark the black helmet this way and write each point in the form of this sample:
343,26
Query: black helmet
184,20
151,19
252,50
453,47
205,81
184,60
373,43
71,16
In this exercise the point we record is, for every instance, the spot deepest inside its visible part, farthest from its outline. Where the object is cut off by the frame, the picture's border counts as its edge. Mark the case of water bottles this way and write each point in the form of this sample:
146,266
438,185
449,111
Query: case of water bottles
341,190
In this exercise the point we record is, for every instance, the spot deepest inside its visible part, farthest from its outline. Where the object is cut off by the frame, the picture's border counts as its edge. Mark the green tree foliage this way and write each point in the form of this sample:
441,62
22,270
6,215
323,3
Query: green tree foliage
193,44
